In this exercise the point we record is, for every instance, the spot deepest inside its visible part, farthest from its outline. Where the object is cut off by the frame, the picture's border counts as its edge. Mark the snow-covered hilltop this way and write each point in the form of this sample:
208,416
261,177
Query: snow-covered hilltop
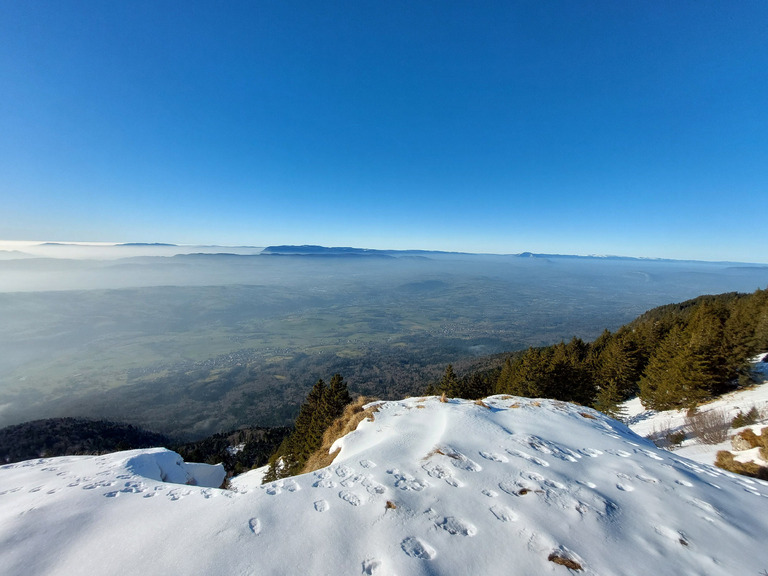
511,486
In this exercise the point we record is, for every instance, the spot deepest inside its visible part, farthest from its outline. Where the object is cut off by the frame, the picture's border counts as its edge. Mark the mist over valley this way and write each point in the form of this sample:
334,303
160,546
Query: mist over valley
196,343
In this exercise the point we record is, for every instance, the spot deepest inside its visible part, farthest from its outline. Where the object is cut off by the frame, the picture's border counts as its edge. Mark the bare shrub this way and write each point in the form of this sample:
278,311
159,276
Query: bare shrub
710,427
666,437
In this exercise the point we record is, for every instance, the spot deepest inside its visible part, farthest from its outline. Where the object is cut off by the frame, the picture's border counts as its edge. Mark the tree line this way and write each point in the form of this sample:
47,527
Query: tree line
673,356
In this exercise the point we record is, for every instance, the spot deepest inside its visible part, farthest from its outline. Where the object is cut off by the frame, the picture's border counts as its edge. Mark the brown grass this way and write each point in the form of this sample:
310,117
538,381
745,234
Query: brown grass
352,416
726,461
390,505
587,415
536,403
563,561
443,398
479,402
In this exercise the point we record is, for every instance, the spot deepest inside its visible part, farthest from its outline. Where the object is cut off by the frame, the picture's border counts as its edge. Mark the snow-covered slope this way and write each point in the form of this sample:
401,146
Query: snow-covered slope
652,423
515,487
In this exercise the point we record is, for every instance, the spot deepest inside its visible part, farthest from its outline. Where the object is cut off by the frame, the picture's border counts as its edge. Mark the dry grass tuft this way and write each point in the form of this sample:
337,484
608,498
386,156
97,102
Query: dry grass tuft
420,406
536,403
443,398
588,415
563,561
352,416
479,402
390,505
515,405
435,451
726,461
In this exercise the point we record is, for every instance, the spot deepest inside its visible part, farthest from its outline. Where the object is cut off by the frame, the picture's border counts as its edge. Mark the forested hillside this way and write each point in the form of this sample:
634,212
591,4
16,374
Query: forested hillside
70,436
673,356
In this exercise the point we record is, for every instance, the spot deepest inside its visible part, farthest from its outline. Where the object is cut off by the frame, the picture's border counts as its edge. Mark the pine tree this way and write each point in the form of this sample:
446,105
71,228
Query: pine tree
609,399
449,383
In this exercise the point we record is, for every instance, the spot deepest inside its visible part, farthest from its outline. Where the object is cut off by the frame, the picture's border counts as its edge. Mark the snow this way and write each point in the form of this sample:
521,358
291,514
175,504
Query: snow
518,486
650,422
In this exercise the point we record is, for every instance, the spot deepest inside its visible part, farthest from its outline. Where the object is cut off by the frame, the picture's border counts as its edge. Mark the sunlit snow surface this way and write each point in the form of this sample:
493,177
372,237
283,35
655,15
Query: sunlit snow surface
426,488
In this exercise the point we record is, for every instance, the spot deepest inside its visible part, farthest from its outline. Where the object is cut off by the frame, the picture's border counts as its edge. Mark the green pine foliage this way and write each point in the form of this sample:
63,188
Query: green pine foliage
673,356
323,405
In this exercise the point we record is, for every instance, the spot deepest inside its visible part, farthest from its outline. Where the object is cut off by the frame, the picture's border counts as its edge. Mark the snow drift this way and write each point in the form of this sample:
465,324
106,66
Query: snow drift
511,486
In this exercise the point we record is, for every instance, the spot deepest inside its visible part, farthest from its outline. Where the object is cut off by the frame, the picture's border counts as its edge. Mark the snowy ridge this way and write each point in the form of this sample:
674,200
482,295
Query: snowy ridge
515,486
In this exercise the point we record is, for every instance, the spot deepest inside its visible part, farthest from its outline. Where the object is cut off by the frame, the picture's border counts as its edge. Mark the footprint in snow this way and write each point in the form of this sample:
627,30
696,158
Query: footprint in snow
494,457
651,455
324,483
273,489
321,506
367,464
416,548
504,513
683,483
350,497
255,526
647,479
625,487
674,535
441,473
405,481
591,452
371,566
490,493
526,456
454,526
343,471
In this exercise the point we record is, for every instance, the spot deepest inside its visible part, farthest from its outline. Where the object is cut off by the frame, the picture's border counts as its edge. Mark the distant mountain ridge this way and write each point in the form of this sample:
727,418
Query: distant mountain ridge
316,250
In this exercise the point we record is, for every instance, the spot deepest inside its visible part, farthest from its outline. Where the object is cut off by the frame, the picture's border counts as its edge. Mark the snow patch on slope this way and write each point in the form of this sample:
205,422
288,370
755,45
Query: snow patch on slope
519,486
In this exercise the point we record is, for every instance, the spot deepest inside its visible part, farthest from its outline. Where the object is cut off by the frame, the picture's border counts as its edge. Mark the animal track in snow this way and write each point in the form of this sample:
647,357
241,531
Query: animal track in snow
625,487
454,526
255,526
367,464
490,493
321,505
591,452
416,548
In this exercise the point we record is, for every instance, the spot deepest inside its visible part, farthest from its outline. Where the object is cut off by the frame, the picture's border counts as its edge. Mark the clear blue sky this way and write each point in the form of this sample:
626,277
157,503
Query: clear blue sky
635,128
